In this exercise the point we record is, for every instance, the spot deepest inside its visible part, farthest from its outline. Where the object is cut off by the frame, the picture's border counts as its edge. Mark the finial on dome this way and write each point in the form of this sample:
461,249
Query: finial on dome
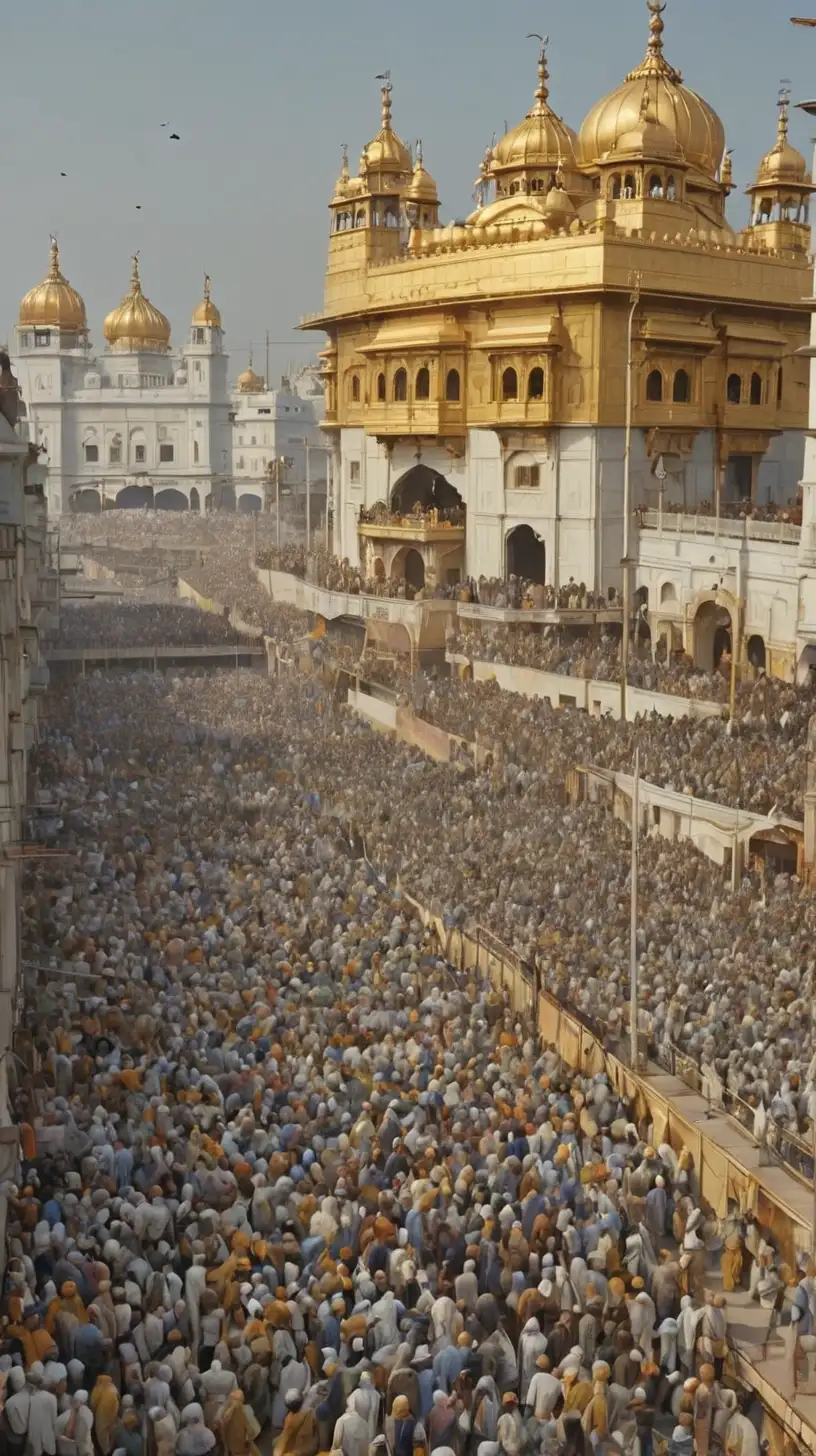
55,268
784,113
656,26
385,96
206,287
135,280
418,162
727,172
344,170
542,90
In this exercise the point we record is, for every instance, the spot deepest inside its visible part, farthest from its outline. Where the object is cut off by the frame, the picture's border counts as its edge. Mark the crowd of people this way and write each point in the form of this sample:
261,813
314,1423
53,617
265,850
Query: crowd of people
788,512
290,1177
592,654
140,624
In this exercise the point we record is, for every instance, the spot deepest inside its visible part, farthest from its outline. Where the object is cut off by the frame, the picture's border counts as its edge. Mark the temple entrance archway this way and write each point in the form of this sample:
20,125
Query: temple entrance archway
408,566
171,500
712,635
755,650
806,667
195,500
134,498
86,501
526,555
426,488
249,503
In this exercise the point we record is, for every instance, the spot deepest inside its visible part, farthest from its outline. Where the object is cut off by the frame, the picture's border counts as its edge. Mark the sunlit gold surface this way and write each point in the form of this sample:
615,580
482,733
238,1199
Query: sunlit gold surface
693,124
54,303
385,152
422,187
542,140
206,315
137,324
249,382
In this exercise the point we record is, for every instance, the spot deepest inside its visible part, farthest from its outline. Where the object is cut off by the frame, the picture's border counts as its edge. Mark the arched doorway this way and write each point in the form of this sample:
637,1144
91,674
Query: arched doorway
134,498
806,668
712,635
171,500
526,555
86,501
379,569
756,652
248,503
414,569
421,486
195,500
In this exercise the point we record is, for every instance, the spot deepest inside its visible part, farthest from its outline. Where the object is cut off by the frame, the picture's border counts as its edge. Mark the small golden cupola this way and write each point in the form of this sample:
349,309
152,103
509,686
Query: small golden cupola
137,326
528,157
780,196
53,304
249,382
421,198
386,165
206,316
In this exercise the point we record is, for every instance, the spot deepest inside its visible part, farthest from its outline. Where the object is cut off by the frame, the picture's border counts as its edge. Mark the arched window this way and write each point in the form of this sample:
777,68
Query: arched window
682,387
780,384
509,384
535,384
115,451
355,388
756,389
655,186
400,386
381,387
359,220
452,385
733,389
671,190
195,452
422,386
629,185
654,387
617,186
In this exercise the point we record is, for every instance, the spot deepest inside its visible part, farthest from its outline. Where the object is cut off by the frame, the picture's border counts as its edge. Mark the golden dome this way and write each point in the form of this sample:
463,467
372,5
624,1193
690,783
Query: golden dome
249,382
206,316
542,139
137,325
386,153
782,163
422,187
689,120
54,304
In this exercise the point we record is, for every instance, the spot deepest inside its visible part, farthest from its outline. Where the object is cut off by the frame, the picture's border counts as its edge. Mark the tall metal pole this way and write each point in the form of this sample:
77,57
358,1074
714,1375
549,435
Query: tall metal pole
267,359
308,501
277,503
329,474
627,498
633,965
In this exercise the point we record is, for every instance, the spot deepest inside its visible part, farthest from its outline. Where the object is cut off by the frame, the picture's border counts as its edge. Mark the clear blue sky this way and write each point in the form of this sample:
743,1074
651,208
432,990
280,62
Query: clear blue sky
263,92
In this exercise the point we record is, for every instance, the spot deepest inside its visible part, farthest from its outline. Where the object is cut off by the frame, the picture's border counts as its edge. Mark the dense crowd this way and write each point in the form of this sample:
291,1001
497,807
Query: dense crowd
288,1175
141,624
594,654
787,512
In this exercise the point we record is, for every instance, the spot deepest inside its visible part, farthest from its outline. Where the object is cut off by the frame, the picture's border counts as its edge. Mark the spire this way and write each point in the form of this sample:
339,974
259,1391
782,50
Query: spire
727,172
542,90
135,281
54,271
344,170
783,122
207,293
385,99
654,62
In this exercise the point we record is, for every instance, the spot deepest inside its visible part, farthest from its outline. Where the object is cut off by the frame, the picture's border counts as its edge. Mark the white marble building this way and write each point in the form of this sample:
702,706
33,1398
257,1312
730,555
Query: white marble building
139,423
277,424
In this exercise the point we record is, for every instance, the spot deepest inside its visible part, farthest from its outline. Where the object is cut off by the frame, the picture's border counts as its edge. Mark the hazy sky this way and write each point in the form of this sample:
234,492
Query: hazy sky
263,92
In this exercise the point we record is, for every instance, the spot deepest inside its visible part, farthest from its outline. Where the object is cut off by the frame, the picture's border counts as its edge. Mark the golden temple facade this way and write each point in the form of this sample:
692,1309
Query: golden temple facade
480,369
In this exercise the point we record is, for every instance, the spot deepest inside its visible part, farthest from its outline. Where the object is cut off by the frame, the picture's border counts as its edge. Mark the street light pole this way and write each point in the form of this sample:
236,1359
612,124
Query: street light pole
627,495
633,965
